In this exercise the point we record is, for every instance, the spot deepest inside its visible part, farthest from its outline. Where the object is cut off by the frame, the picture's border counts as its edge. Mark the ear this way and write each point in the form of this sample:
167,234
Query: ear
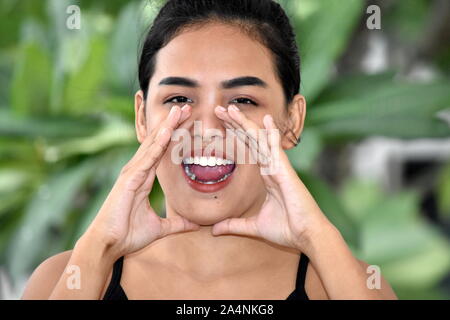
140,119
295,121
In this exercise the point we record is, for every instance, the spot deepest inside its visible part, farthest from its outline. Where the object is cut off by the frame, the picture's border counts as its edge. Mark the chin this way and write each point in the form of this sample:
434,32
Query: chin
206,214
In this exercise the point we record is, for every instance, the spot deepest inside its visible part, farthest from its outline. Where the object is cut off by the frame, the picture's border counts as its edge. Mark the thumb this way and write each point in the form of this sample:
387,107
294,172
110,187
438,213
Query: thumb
176,224
239,226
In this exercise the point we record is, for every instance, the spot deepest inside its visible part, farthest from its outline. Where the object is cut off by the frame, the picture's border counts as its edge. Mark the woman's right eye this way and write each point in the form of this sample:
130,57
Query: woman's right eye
180,99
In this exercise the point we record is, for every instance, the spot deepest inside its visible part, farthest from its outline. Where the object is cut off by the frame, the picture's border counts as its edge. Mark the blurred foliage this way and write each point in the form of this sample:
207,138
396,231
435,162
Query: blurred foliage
66,129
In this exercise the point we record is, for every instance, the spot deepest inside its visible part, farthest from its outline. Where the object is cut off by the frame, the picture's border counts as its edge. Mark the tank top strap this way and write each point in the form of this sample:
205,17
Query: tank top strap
114,285
301,273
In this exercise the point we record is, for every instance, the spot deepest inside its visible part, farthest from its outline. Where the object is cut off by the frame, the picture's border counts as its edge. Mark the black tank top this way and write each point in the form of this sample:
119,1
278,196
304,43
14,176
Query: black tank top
116,292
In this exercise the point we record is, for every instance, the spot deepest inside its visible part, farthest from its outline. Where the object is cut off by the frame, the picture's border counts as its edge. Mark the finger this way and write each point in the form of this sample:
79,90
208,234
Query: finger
273,131
171,119
143,191
138,154
186,112
252,130
255,151
239,226
149,139
231,131
230,124
148,183
156,150
243,122
252,146
174,118
176,224
222,114
279,159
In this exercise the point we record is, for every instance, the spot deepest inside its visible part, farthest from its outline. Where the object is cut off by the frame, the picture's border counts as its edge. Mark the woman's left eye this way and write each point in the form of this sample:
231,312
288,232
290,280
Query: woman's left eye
244,101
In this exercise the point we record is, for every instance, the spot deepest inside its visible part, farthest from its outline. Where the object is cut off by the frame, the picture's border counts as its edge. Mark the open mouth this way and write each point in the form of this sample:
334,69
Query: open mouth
208,170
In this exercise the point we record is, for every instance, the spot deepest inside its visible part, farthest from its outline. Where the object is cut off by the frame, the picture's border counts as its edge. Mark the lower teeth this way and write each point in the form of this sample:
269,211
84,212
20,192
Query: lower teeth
194,178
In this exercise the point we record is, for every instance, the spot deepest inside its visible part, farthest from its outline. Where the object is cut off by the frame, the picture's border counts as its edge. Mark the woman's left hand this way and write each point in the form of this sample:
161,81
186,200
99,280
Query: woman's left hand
289,216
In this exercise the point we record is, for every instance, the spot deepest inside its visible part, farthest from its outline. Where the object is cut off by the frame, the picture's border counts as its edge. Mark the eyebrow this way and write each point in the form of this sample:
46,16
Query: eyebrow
227,84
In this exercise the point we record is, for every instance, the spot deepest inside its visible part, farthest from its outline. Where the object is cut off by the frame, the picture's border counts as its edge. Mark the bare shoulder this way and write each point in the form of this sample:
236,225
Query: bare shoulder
385,288
45,277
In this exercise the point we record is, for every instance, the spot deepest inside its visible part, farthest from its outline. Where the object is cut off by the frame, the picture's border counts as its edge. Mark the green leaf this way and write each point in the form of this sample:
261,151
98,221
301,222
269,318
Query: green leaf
304,156
407,293
31,81
113,133
70,47
8,226
12,179
48,127
399,99
407,20
398,126
355,86
124,48
322,37
409,251
84,86
45,211
106,175
396,109
443,191
121,105
359,196
11,201
332,207
424,269
13,148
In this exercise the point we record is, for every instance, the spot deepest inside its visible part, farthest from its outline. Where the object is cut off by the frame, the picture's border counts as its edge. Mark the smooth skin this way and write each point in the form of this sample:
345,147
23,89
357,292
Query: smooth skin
241,242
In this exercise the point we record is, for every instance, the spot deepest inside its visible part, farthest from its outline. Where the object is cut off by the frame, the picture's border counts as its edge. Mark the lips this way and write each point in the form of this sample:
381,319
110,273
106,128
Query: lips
207,174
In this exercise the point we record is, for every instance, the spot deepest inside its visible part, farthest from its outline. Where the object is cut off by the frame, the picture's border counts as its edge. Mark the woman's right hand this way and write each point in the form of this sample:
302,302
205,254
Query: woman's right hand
126,221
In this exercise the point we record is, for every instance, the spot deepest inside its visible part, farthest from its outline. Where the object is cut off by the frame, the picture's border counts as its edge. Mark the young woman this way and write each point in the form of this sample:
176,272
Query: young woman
230,232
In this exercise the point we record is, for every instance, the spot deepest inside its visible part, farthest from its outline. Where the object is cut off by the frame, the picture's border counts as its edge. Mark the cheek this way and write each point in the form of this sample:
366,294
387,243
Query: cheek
256,115
250,177
155,116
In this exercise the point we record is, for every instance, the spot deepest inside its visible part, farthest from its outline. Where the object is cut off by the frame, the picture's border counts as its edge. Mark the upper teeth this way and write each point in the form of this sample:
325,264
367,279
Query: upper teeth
207,161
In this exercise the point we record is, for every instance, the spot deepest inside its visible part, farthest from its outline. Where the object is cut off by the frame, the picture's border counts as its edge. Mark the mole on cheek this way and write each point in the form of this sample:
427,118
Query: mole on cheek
215,197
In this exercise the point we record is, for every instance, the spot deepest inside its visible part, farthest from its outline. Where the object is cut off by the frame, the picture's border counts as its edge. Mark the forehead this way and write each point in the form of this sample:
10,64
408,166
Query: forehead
215,51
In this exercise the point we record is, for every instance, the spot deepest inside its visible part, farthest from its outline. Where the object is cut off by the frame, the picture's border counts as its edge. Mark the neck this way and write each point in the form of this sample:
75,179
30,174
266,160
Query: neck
205,256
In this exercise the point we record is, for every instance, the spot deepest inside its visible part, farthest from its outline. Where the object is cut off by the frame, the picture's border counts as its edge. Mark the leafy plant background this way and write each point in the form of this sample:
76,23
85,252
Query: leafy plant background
66,127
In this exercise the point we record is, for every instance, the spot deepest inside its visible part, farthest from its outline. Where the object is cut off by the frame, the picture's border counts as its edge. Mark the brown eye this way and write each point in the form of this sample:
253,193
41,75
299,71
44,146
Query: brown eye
243,101
180,99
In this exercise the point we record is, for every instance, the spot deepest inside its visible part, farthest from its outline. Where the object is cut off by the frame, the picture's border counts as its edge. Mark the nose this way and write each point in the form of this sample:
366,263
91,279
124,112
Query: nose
207,131
205,123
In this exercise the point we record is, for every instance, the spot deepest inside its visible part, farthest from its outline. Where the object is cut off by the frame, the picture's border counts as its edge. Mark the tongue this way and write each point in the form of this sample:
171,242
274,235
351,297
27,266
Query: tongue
210,173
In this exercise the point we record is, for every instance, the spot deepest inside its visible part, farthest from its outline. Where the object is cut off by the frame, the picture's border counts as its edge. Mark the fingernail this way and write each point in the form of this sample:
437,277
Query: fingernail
172,111
185,107
221,109
234,108
267,120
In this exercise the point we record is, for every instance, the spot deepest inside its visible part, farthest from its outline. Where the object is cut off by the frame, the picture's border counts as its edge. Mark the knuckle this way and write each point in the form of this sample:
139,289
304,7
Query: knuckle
125,169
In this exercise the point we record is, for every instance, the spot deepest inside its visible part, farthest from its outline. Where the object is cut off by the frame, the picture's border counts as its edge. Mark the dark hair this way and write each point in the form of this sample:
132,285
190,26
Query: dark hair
265,20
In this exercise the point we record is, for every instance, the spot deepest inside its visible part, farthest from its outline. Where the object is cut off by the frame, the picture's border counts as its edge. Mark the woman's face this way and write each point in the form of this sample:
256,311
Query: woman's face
209,56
